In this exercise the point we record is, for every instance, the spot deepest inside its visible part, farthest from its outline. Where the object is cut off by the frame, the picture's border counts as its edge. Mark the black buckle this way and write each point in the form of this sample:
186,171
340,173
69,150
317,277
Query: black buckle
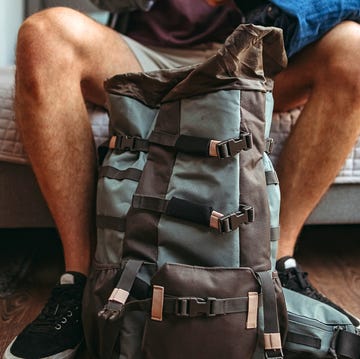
126,143
231,147
269,145
233,221
111,311
194,307
274,354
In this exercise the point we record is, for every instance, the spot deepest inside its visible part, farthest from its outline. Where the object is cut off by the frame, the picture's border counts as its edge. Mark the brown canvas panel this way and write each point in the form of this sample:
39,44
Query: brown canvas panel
142,226
222,336
254,237
235,66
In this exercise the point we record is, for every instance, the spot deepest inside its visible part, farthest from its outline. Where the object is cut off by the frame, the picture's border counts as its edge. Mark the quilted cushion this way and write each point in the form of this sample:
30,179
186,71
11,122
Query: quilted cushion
11,148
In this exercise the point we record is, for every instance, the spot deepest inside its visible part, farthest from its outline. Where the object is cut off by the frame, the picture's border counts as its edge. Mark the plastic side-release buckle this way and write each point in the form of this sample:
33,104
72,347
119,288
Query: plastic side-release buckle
274,354
194,307
232,146
113,308
127,143
111,311
233,220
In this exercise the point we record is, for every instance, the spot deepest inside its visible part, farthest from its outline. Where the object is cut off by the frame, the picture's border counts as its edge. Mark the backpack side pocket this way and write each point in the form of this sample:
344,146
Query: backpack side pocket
204,313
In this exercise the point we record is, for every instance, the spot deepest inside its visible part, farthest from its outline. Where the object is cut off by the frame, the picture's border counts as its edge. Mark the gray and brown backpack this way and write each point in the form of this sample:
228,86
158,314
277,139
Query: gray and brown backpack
188,217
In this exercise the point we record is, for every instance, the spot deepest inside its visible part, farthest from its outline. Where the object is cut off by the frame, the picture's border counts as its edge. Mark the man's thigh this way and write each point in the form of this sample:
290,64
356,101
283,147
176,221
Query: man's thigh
60,44
334,55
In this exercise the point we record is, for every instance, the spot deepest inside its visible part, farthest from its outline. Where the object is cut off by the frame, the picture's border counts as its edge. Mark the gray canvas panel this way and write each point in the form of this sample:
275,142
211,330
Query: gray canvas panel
254,253
214,115
308,316
127,116
273,190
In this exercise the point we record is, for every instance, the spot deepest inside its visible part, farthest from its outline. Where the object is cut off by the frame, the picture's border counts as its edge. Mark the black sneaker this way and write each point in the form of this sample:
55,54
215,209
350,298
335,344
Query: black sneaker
57,331
292,277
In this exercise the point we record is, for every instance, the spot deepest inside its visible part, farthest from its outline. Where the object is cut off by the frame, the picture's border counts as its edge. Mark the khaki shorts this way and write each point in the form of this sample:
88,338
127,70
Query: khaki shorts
156,58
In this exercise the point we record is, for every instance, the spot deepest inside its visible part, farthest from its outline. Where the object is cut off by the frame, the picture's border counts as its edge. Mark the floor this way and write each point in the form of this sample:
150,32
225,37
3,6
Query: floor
31,261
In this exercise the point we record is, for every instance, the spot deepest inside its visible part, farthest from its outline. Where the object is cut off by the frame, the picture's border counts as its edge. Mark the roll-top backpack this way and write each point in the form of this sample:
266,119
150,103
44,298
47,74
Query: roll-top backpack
188,214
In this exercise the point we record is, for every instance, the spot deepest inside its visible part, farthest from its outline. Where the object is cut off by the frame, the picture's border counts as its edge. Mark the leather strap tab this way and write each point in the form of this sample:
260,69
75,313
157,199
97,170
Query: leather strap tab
253,306
272,341
119,295
157,303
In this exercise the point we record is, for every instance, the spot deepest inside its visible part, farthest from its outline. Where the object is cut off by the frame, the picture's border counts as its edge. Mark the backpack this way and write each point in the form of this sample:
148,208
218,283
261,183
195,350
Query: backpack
188,216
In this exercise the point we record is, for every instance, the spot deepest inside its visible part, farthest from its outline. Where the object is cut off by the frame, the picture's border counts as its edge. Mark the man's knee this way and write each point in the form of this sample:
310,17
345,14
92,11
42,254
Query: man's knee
47,37
339,55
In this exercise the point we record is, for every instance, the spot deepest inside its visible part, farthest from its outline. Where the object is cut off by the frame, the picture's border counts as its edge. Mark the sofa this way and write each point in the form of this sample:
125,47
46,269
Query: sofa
22,205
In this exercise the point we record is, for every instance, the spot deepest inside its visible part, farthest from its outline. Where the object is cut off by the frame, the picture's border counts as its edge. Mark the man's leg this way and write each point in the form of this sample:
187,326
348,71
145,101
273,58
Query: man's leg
63,58
326,77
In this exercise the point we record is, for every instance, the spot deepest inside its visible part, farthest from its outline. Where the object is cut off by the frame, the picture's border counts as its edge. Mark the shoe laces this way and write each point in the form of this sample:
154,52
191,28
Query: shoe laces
301,280
62,305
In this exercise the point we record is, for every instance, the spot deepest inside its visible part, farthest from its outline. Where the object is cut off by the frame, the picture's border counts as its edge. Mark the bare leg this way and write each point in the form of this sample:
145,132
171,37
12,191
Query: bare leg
326,76
62,59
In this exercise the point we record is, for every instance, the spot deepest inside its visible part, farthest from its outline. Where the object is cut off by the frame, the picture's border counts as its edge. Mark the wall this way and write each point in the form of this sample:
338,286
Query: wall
11,17
12,14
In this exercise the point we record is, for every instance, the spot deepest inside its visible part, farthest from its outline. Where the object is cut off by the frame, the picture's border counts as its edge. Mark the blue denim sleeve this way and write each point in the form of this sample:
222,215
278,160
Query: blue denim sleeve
308,20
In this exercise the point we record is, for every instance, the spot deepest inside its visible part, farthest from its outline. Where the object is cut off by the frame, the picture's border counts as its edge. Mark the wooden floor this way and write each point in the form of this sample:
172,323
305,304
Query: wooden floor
33,261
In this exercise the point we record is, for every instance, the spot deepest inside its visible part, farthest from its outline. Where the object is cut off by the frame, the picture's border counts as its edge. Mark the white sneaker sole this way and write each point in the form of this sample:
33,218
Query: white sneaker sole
67,354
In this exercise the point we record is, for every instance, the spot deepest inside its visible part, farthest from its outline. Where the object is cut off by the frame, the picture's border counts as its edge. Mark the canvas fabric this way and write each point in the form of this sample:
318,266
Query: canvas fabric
188,218
226,98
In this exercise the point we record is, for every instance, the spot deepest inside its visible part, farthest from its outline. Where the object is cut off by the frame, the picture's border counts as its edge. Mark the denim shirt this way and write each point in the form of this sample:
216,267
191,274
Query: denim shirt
308,20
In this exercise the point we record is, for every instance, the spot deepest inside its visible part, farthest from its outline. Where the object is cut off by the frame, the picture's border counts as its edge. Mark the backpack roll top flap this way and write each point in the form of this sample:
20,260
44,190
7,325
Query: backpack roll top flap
205,313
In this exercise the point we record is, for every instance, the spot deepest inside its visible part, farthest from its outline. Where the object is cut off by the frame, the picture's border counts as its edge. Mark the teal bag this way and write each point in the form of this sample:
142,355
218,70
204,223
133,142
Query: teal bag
188,218
318,330
188,211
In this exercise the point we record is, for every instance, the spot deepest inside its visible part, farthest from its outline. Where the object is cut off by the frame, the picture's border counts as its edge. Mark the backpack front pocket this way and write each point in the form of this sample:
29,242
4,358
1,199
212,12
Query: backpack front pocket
200,312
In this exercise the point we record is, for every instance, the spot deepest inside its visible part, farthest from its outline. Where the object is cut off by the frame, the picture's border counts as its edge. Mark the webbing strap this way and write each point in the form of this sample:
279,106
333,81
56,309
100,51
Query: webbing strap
108,222
347,345
190,307
133,174
129,143
307,340
174,207
272,339
210,307
194,212
118,297
271,177
188,144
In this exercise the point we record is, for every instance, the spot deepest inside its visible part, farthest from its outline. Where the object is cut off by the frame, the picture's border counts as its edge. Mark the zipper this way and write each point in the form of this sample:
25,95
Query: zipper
312,322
